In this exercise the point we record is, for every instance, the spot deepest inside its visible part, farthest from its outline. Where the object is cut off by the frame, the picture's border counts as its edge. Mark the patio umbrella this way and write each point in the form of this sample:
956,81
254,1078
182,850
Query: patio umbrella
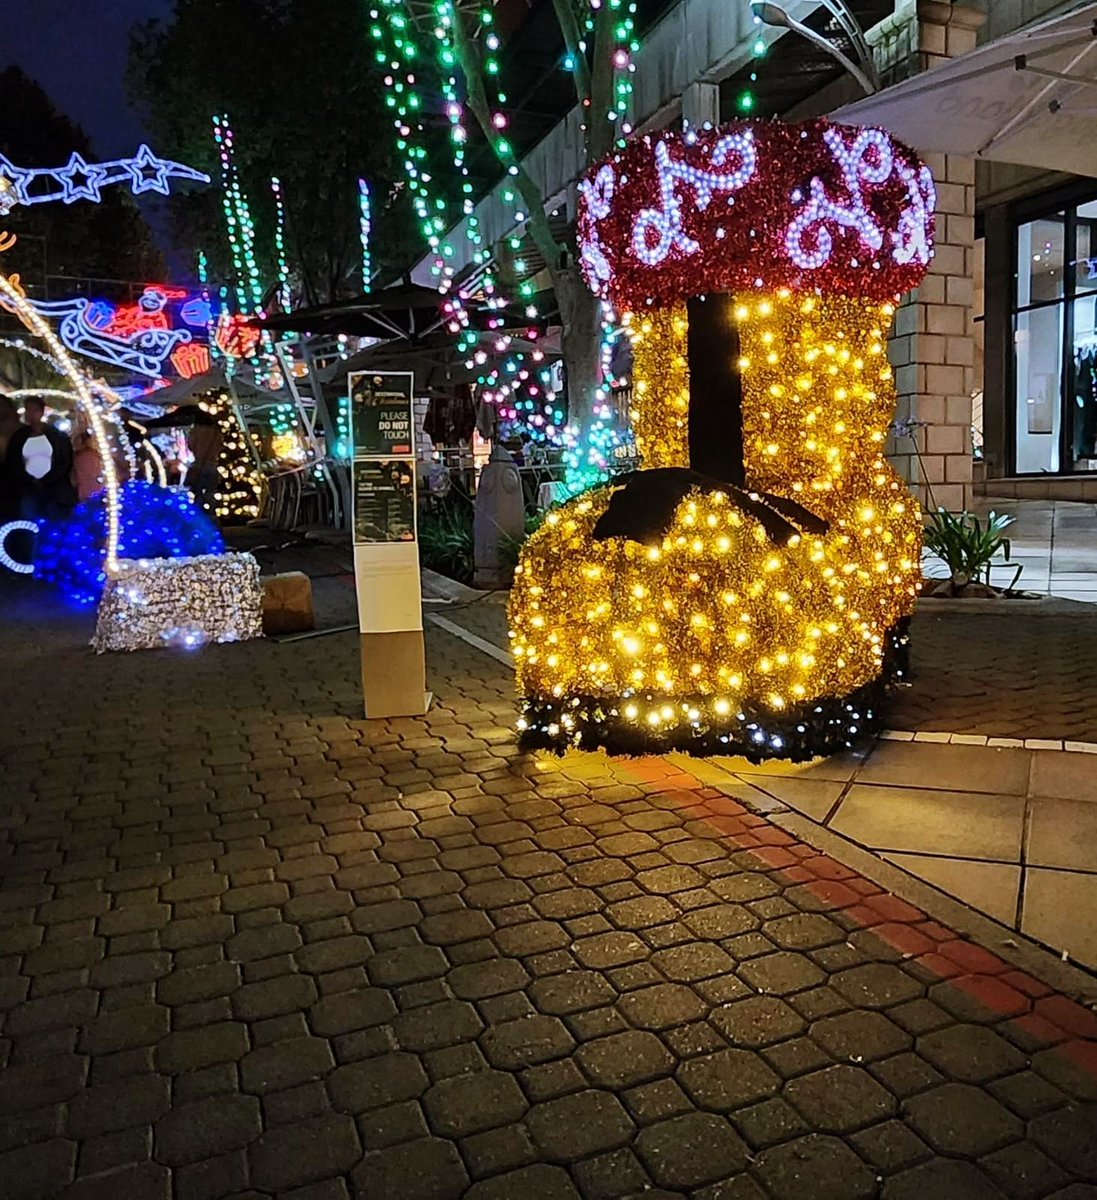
433,360
406,310
1028,98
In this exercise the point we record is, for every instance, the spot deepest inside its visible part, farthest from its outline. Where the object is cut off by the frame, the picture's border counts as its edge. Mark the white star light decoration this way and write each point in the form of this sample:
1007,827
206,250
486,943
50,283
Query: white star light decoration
80,180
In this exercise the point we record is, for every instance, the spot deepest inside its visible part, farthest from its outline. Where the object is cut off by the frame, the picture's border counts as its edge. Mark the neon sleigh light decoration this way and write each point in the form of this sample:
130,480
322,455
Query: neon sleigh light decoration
81,180
83,326
137,337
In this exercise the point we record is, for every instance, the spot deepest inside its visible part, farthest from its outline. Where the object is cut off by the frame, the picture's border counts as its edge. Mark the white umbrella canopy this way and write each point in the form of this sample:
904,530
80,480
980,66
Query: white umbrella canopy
1028,98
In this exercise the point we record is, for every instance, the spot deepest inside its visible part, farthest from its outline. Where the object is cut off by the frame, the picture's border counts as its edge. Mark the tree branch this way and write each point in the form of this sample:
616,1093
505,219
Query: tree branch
600,130
569,27
540,229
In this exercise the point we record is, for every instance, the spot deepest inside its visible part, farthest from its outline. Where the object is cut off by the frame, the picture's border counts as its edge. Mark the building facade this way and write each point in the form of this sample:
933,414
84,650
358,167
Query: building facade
995,355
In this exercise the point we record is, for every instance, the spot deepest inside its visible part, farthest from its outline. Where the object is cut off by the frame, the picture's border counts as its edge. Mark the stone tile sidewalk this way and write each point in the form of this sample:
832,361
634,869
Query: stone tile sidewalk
1011,832
251,945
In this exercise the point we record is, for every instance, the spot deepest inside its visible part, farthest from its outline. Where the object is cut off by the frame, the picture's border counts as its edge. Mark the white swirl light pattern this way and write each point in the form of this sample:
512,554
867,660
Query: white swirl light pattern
911,239
599,198
867,161
666,222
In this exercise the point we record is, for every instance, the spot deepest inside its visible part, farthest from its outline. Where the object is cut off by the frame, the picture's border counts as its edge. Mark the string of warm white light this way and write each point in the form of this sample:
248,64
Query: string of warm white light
14,300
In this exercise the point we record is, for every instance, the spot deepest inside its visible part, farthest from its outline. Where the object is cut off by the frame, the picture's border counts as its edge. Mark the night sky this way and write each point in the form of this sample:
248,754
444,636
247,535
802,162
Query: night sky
76,50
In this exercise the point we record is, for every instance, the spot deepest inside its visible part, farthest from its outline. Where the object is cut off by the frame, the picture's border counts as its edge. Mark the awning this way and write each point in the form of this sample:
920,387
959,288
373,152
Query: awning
1028,98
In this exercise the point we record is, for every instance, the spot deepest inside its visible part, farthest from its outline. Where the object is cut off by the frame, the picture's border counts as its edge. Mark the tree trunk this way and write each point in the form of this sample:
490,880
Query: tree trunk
581,343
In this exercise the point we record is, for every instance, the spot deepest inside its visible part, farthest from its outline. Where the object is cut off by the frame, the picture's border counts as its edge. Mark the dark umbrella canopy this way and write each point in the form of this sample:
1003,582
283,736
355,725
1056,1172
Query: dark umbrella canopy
406,310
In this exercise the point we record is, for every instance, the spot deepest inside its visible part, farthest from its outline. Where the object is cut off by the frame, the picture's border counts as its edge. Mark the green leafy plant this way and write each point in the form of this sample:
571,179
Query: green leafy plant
446,543
968,545
511,547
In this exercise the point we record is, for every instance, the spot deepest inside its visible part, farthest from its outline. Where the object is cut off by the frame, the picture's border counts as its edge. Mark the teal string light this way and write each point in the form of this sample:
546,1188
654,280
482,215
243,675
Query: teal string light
280,245
364,227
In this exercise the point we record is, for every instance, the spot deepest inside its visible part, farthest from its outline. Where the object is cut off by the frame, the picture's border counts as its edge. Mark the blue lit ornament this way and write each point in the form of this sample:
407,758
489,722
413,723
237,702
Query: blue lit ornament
156,522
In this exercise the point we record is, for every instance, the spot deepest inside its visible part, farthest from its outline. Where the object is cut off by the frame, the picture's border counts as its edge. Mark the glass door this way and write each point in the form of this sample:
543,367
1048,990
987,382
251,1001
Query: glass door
1038,340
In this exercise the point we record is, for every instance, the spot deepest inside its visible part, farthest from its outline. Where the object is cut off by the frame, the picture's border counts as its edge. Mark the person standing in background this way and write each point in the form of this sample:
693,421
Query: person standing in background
204,475
9,486
40,458
87,465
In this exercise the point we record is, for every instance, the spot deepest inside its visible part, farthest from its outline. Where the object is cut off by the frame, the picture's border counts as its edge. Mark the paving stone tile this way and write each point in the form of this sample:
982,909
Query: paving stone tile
840,1099
906,1074
570,992
32,1172
690,1151
1066,1136
120,1105
624,1059
466,1104
193,1049
890,1146
578,1125
727,1079
781,974
273,997
540,1180
526,1041
224,1175
139,1181
941,1179
29,1085
426,1169
205,1128
406,964
285,1064
293,1155
1023,1171
876,985
477,981
125,1029
662,1006
960,1119
386,1079
498,1150
860,1036
757,1021
692,962
1026,1094
395,1123
198,983
815,1167
970,1053
771,1121
609,1176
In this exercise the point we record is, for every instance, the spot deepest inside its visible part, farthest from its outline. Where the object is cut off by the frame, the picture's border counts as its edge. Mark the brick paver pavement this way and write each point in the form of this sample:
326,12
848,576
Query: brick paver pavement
1017,674
251,945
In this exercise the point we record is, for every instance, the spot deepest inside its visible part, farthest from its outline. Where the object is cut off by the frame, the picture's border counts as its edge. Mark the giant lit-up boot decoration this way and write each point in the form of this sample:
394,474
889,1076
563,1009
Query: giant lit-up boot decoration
746,592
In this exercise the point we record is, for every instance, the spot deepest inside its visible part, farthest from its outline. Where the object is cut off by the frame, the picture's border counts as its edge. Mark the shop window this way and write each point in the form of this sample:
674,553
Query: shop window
1055,343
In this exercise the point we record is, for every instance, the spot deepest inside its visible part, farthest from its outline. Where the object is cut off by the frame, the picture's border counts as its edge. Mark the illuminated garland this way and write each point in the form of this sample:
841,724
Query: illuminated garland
241,236
14,300
364,229
280,245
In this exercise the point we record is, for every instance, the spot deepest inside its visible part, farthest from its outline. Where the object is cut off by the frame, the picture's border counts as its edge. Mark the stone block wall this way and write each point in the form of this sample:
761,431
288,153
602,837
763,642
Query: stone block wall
933,348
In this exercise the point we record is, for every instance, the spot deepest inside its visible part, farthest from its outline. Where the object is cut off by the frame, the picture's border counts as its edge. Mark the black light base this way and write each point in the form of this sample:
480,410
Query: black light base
814,729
